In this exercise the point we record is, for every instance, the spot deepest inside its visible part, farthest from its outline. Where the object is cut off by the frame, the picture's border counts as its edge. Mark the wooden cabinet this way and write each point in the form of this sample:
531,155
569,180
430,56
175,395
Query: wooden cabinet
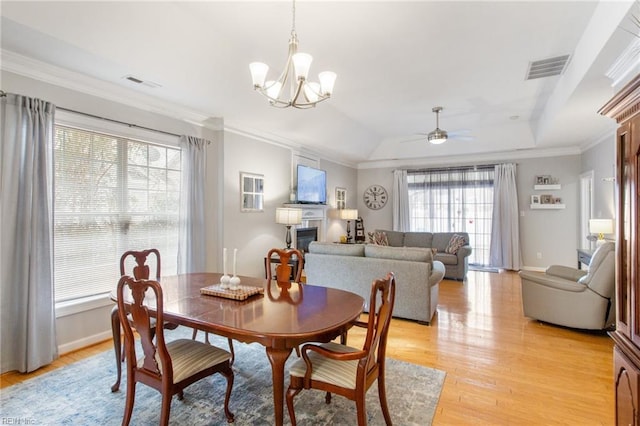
625,109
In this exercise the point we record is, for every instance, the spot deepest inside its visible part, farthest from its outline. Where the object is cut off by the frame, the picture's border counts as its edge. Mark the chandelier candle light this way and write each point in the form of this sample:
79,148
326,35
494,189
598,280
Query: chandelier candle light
301,93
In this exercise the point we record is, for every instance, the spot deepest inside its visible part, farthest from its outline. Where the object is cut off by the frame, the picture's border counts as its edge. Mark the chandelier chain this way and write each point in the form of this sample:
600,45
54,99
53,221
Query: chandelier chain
293,20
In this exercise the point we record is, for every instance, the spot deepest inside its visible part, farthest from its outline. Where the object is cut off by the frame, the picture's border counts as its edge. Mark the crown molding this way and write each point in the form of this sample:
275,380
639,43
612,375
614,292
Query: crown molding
51,74
477,158
285,143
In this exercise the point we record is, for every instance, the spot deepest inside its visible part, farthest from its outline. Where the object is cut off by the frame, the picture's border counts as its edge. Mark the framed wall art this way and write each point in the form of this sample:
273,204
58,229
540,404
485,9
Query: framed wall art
341,198
251,192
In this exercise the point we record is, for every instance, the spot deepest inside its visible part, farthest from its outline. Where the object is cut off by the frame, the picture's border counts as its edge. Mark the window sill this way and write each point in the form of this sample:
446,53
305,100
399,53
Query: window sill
84,304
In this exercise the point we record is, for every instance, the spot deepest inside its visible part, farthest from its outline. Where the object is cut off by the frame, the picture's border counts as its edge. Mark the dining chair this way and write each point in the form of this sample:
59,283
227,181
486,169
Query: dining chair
167,367
283,267
140,271
348,371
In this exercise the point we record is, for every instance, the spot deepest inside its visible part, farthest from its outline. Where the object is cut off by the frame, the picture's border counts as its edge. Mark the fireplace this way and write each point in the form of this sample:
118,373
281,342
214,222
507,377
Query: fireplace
304,236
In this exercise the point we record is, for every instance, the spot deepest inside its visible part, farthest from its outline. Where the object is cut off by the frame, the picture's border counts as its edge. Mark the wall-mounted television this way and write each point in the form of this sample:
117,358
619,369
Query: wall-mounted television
311,185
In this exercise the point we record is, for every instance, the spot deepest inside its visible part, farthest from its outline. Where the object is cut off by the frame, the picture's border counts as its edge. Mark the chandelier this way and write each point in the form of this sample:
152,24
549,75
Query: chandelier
292,89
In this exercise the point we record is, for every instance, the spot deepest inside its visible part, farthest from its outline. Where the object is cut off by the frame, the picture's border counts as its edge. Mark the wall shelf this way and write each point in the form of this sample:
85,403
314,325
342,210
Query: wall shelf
547,187
547,206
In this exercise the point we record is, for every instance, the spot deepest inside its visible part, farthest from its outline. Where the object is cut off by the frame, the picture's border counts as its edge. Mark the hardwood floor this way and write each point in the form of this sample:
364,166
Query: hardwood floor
502,368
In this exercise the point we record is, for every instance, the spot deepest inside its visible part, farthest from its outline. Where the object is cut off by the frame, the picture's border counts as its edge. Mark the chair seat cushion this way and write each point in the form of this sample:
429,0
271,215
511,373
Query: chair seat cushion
339,373
191,356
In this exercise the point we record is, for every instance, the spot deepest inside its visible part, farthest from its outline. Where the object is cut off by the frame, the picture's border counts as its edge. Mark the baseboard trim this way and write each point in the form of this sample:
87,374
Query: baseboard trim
84,342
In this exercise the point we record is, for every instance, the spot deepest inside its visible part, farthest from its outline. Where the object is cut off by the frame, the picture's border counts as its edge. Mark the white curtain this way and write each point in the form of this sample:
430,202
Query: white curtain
505,236
191,234
28,334
400,191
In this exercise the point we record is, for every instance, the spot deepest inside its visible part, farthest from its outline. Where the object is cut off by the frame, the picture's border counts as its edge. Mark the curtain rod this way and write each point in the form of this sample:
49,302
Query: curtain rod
444,169
116,121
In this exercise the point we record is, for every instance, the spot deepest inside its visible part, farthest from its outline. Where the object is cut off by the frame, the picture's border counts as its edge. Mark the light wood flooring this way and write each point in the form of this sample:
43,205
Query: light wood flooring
502,368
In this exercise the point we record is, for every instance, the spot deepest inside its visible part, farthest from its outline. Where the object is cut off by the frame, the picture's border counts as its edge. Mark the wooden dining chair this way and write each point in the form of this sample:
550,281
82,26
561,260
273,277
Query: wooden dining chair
347,371
283,267
167,367
140,271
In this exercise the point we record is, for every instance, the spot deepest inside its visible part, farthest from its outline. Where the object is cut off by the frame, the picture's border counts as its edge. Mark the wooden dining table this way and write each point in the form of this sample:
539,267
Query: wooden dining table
280,318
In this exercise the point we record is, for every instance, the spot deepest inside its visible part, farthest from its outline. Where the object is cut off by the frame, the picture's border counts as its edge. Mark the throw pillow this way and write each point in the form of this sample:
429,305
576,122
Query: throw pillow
455,243
378,238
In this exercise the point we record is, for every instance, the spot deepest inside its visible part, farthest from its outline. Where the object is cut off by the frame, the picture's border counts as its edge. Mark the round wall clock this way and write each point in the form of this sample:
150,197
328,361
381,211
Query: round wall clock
375,197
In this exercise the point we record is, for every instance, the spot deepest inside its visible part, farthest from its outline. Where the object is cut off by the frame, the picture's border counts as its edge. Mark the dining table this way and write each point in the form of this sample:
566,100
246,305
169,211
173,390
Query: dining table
279,316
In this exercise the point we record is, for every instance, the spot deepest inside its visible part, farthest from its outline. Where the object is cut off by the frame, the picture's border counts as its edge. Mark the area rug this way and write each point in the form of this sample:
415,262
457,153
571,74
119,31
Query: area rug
79,394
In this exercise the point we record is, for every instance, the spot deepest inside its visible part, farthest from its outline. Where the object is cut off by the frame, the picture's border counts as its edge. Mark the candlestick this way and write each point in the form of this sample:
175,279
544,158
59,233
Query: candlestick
235,253
224,279
224,261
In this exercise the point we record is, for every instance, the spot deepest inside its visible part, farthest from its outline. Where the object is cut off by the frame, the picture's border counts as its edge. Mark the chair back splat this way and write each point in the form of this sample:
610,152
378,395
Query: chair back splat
166,367
348,371
283,268
141,270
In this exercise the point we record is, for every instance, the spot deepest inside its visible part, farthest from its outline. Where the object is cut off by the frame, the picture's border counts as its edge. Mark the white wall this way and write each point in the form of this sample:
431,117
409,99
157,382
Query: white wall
601,159
343,177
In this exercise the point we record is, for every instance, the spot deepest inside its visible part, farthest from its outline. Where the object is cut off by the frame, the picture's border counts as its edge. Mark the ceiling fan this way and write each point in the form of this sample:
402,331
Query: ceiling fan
437,136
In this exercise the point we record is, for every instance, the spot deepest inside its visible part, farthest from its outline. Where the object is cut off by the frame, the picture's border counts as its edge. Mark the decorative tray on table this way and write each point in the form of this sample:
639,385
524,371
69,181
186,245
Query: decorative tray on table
242,293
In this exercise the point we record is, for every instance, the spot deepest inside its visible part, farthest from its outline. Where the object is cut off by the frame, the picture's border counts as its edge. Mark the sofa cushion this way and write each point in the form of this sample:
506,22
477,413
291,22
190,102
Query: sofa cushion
395,238
418,239
378,238
337,249
414,254
455,243
446,258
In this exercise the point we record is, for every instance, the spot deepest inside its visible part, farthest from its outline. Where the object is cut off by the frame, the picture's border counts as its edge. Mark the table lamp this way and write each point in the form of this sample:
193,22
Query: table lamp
600,227
348,215
288,216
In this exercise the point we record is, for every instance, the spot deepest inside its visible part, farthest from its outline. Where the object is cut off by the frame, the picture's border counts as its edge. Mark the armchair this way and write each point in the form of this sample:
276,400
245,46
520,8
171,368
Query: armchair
571,297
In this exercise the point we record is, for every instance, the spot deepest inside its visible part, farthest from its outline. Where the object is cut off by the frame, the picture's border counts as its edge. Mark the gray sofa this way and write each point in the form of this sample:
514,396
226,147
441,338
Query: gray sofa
456,265
353,267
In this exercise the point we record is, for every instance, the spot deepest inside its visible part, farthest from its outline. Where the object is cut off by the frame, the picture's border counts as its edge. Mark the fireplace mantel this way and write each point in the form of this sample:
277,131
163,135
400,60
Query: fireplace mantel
313,215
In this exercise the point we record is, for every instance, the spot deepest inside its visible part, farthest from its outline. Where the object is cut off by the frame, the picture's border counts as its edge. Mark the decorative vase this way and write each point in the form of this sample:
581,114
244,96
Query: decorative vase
224,281
234,283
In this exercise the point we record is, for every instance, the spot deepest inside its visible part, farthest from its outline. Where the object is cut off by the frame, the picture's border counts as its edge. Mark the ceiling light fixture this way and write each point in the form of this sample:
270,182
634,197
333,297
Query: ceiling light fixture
301,93
437,136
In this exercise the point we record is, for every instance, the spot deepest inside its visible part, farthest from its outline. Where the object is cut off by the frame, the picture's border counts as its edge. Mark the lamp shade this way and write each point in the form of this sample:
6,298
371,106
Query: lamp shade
288,216
601,226
349,214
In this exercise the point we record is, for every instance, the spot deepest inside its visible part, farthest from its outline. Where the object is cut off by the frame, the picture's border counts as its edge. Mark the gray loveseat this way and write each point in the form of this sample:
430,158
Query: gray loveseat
456,265
353,267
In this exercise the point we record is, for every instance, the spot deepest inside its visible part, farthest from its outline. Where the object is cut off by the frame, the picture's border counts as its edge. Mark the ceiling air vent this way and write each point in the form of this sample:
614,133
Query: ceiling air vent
547,67
137,80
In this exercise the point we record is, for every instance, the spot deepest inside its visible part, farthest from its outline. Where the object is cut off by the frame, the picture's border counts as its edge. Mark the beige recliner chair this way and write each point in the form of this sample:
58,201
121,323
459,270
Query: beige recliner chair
571,297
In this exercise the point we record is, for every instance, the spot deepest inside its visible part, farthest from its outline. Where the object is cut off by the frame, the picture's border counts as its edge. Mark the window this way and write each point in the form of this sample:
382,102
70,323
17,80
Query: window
455,199
112,194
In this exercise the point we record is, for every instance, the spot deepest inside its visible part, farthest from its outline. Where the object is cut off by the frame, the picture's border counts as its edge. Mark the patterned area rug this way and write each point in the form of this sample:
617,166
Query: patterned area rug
79,394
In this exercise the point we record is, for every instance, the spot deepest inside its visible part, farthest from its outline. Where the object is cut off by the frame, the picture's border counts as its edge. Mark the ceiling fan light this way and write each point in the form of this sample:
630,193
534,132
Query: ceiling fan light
327,81
258,73
437,137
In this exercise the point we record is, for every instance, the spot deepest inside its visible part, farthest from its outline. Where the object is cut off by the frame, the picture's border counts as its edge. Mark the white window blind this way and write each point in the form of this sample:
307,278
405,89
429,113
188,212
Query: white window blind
112,194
